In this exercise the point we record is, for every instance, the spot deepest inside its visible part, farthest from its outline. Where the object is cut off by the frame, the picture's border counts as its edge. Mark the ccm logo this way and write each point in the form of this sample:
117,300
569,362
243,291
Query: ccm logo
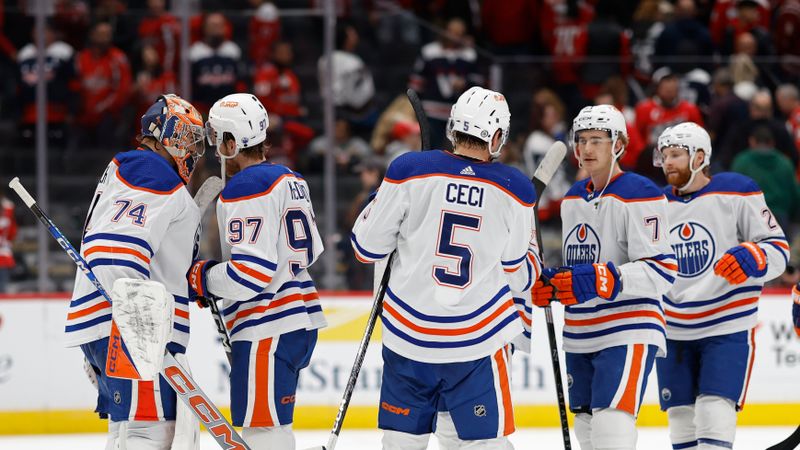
605,284
288,399
395,409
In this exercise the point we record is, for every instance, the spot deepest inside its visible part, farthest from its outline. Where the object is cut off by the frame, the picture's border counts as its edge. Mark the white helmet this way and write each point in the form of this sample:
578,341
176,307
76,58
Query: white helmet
690,136
480,112
241,115
600,117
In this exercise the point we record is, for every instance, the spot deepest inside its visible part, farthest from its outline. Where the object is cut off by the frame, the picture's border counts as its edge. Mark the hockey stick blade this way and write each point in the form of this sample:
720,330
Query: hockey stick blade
208,192
789,443
550,163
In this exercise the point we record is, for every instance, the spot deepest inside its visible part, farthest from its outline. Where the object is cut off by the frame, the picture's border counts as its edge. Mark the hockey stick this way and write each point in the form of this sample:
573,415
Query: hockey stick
179,378
422,119
789,443
542,176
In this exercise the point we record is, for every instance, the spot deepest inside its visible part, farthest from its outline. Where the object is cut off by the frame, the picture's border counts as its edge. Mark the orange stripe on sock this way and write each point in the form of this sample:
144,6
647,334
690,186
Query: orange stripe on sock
628,400
146,404
508,410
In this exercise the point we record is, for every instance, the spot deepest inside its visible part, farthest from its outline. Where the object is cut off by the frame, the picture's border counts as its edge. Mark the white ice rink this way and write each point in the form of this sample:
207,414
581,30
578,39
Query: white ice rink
747,438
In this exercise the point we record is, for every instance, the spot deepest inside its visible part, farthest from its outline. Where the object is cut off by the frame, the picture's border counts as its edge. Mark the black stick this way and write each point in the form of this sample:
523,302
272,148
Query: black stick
422,119
789,443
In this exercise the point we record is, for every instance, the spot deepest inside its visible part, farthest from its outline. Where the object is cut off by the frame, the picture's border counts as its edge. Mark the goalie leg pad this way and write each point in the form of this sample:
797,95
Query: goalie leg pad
269,437
583,430
149,435
613,429
397,440
682,432
715,419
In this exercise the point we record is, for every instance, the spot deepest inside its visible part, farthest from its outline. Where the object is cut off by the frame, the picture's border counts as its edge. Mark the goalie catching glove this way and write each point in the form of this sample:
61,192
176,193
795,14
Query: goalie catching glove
742,262
198,288
577,284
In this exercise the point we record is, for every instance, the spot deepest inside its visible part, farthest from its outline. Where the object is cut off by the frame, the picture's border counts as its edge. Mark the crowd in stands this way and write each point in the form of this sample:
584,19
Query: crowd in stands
732,66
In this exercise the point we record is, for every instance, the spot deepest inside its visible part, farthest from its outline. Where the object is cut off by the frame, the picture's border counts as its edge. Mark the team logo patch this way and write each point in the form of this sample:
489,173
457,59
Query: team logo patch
479,410
117,397
694,248
666,394
581,246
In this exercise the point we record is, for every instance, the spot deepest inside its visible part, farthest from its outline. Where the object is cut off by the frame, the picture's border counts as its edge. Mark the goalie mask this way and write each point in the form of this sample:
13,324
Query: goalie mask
480,113
689,136
241,115
178,126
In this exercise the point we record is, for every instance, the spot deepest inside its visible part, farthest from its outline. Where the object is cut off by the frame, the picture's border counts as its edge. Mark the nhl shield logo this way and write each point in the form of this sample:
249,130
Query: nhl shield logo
117,397
479,410
666,394
581,246
694,248
569,381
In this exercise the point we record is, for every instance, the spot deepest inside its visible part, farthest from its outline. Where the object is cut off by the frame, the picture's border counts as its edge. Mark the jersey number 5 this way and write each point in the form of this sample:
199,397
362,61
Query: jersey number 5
446,247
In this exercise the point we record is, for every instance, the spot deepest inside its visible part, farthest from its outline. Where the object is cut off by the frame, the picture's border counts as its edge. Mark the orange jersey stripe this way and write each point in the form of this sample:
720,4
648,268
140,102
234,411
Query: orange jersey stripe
628,400
182,313
89,310
263,308
119,250
252,272
508,410
663,264
447,331
261,414
731,305
749,366
612,317
780,244
525,319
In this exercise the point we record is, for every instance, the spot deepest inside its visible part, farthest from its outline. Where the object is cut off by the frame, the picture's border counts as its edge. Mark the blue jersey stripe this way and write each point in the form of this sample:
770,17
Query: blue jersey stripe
85,298
614,304
780,250
655,268
314,309
181,327
514,262
88,323
721,298
119,262
120,238
716,321
451,344
612,330
269,295
447,319
268,318
684,445
521,302
235,277
662,257
181,300
269,265
361,250
715,442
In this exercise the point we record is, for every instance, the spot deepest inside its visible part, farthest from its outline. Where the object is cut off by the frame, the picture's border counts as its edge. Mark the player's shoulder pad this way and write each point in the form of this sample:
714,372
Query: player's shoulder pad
255,181
732,183
632,187
415,165
145,170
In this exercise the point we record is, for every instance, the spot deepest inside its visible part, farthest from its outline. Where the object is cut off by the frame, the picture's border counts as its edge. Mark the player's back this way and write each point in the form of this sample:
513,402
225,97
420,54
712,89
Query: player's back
455,223
270,239
142,223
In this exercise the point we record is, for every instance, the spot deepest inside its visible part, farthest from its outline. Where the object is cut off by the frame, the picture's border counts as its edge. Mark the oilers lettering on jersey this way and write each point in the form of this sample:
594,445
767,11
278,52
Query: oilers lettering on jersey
726,212
267,220
141,224
694,248
581,246
464,235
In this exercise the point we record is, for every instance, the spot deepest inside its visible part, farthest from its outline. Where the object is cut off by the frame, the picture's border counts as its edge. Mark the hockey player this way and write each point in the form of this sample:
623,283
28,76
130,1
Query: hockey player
271,307
462,227
618,264
727,244
142,223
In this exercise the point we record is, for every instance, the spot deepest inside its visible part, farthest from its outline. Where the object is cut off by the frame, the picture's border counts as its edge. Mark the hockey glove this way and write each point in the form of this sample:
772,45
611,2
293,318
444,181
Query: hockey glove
543,292
796,308
198,289
587,281
742,262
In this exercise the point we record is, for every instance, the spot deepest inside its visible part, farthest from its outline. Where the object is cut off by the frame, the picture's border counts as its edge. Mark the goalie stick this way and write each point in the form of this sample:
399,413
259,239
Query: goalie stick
544,173
176,375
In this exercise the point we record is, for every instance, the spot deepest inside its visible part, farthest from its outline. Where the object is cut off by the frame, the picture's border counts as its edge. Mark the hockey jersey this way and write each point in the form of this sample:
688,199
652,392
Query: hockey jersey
703,226
464,235
270,239
142,224
625,225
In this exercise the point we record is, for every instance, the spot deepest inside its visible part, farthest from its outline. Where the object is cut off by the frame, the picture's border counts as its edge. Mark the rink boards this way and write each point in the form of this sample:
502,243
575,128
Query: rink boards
43,388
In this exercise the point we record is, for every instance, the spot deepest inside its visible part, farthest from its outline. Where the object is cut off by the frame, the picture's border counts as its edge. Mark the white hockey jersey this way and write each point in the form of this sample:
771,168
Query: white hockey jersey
703,226
627,225
270,238
464,236
143,224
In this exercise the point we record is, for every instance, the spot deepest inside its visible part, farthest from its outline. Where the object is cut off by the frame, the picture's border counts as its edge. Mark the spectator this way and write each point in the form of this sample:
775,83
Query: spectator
264,30
370,172
751,16
152,80
115,13
648,24
664,108
786,33
8,231
276,84
788,100
105,87
162,31
348,150
405,138
604,39
506,25
445,69
72,19
761,115
685,43
774,173
726,110
216,64
59,69
399,110
352,87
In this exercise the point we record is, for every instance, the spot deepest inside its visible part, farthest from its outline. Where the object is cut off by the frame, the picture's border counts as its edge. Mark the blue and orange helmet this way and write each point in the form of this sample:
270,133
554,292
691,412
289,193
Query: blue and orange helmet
178,126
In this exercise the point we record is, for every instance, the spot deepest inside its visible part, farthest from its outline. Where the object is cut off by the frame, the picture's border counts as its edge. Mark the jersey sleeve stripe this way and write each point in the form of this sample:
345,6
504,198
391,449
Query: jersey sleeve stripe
86,311
780,242
515,262
141,188
781,250
449,331
615,316
447,319
249,285
119,262
252,272
269,265
721,298
258,194
120,238
655,268
460,177
118,250
711,312
667,265
364,253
